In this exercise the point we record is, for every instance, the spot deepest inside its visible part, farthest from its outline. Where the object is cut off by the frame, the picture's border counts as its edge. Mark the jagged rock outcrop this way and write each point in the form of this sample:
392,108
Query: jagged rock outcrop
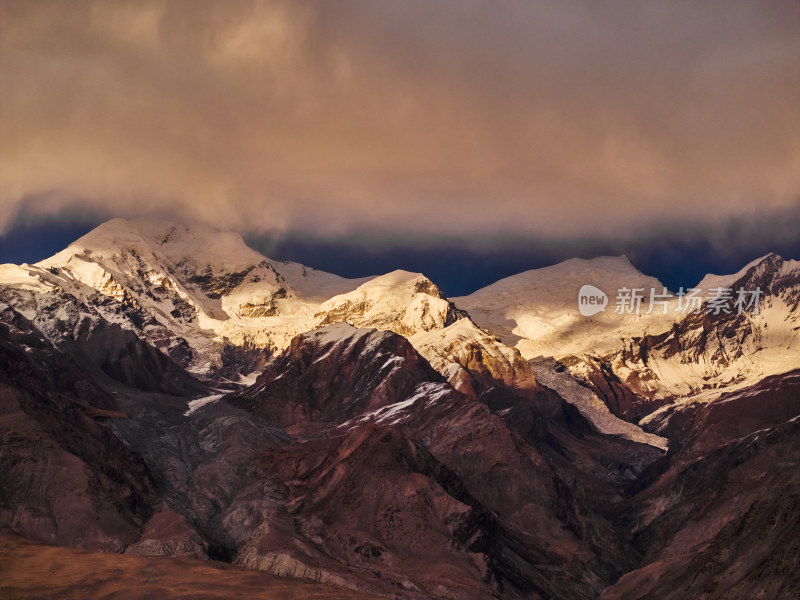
474,360
336,373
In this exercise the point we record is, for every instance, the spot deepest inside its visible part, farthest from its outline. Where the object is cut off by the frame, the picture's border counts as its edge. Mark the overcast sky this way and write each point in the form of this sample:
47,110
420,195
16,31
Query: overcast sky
541,118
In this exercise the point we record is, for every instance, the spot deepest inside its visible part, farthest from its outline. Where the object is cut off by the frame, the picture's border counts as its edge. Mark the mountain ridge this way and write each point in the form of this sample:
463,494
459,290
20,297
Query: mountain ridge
219,308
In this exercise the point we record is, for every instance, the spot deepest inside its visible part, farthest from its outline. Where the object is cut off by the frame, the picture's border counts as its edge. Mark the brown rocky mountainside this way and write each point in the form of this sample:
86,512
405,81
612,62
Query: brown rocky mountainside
379,477
67,478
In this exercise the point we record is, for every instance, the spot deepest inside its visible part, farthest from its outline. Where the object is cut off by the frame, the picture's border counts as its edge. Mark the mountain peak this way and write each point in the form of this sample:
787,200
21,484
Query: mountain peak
169,242
404,282
620,264
768,261
561,281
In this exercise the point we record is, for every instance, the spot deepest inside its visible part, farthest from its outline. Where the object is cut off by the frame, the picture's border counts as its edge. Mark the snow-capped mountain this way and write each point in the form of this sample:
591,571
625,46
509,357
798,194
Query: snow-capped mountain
218,308
188,291
637,363
705,354
537,311
214,305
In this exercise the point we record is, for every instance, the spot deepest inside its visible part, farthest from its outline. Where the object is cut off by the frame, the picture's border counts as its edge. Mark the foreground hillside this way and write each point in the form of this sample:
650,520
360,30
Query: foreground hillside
33,570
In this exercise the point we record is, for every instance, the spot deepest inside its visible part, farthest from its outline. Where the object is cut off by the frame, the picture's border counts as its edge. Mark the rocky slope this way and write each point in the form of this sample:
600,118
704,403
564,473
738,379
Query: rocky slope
67,478
704,355
396,467
723,519
34,570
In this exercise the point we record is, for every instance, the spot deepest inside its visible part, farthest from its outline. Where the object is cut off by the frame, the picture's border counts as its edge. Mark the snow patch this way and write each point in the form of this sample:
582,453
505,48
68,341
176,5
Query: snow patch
198,403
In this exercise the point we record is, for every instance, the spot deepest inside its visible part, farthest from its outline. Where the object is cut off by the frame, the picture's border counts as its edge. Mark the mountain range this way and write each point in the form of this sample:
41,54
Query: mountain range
167,391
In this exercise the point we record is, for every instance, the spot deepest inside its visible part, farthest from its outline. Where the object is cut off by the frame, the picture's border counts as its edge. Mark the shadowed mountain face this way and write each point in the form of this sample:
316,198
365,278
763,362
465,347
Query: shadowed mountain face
67,478
725,525
370,437
337,373
394,467
721,516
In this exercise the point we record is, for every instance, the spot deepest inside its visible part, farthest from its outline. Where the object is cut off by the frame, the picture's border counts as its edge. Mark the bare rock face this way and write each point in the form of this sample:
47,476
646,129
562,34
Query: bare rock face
718,516
335,373
168,534
382,504
473,359
722,526
698,429
624,391
67,478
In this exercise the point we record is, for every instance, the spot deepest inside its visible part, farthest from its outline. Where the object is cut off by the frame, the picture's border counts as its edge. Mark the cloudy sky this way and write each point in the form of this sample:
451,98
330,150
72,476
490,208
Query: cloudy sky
464,119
